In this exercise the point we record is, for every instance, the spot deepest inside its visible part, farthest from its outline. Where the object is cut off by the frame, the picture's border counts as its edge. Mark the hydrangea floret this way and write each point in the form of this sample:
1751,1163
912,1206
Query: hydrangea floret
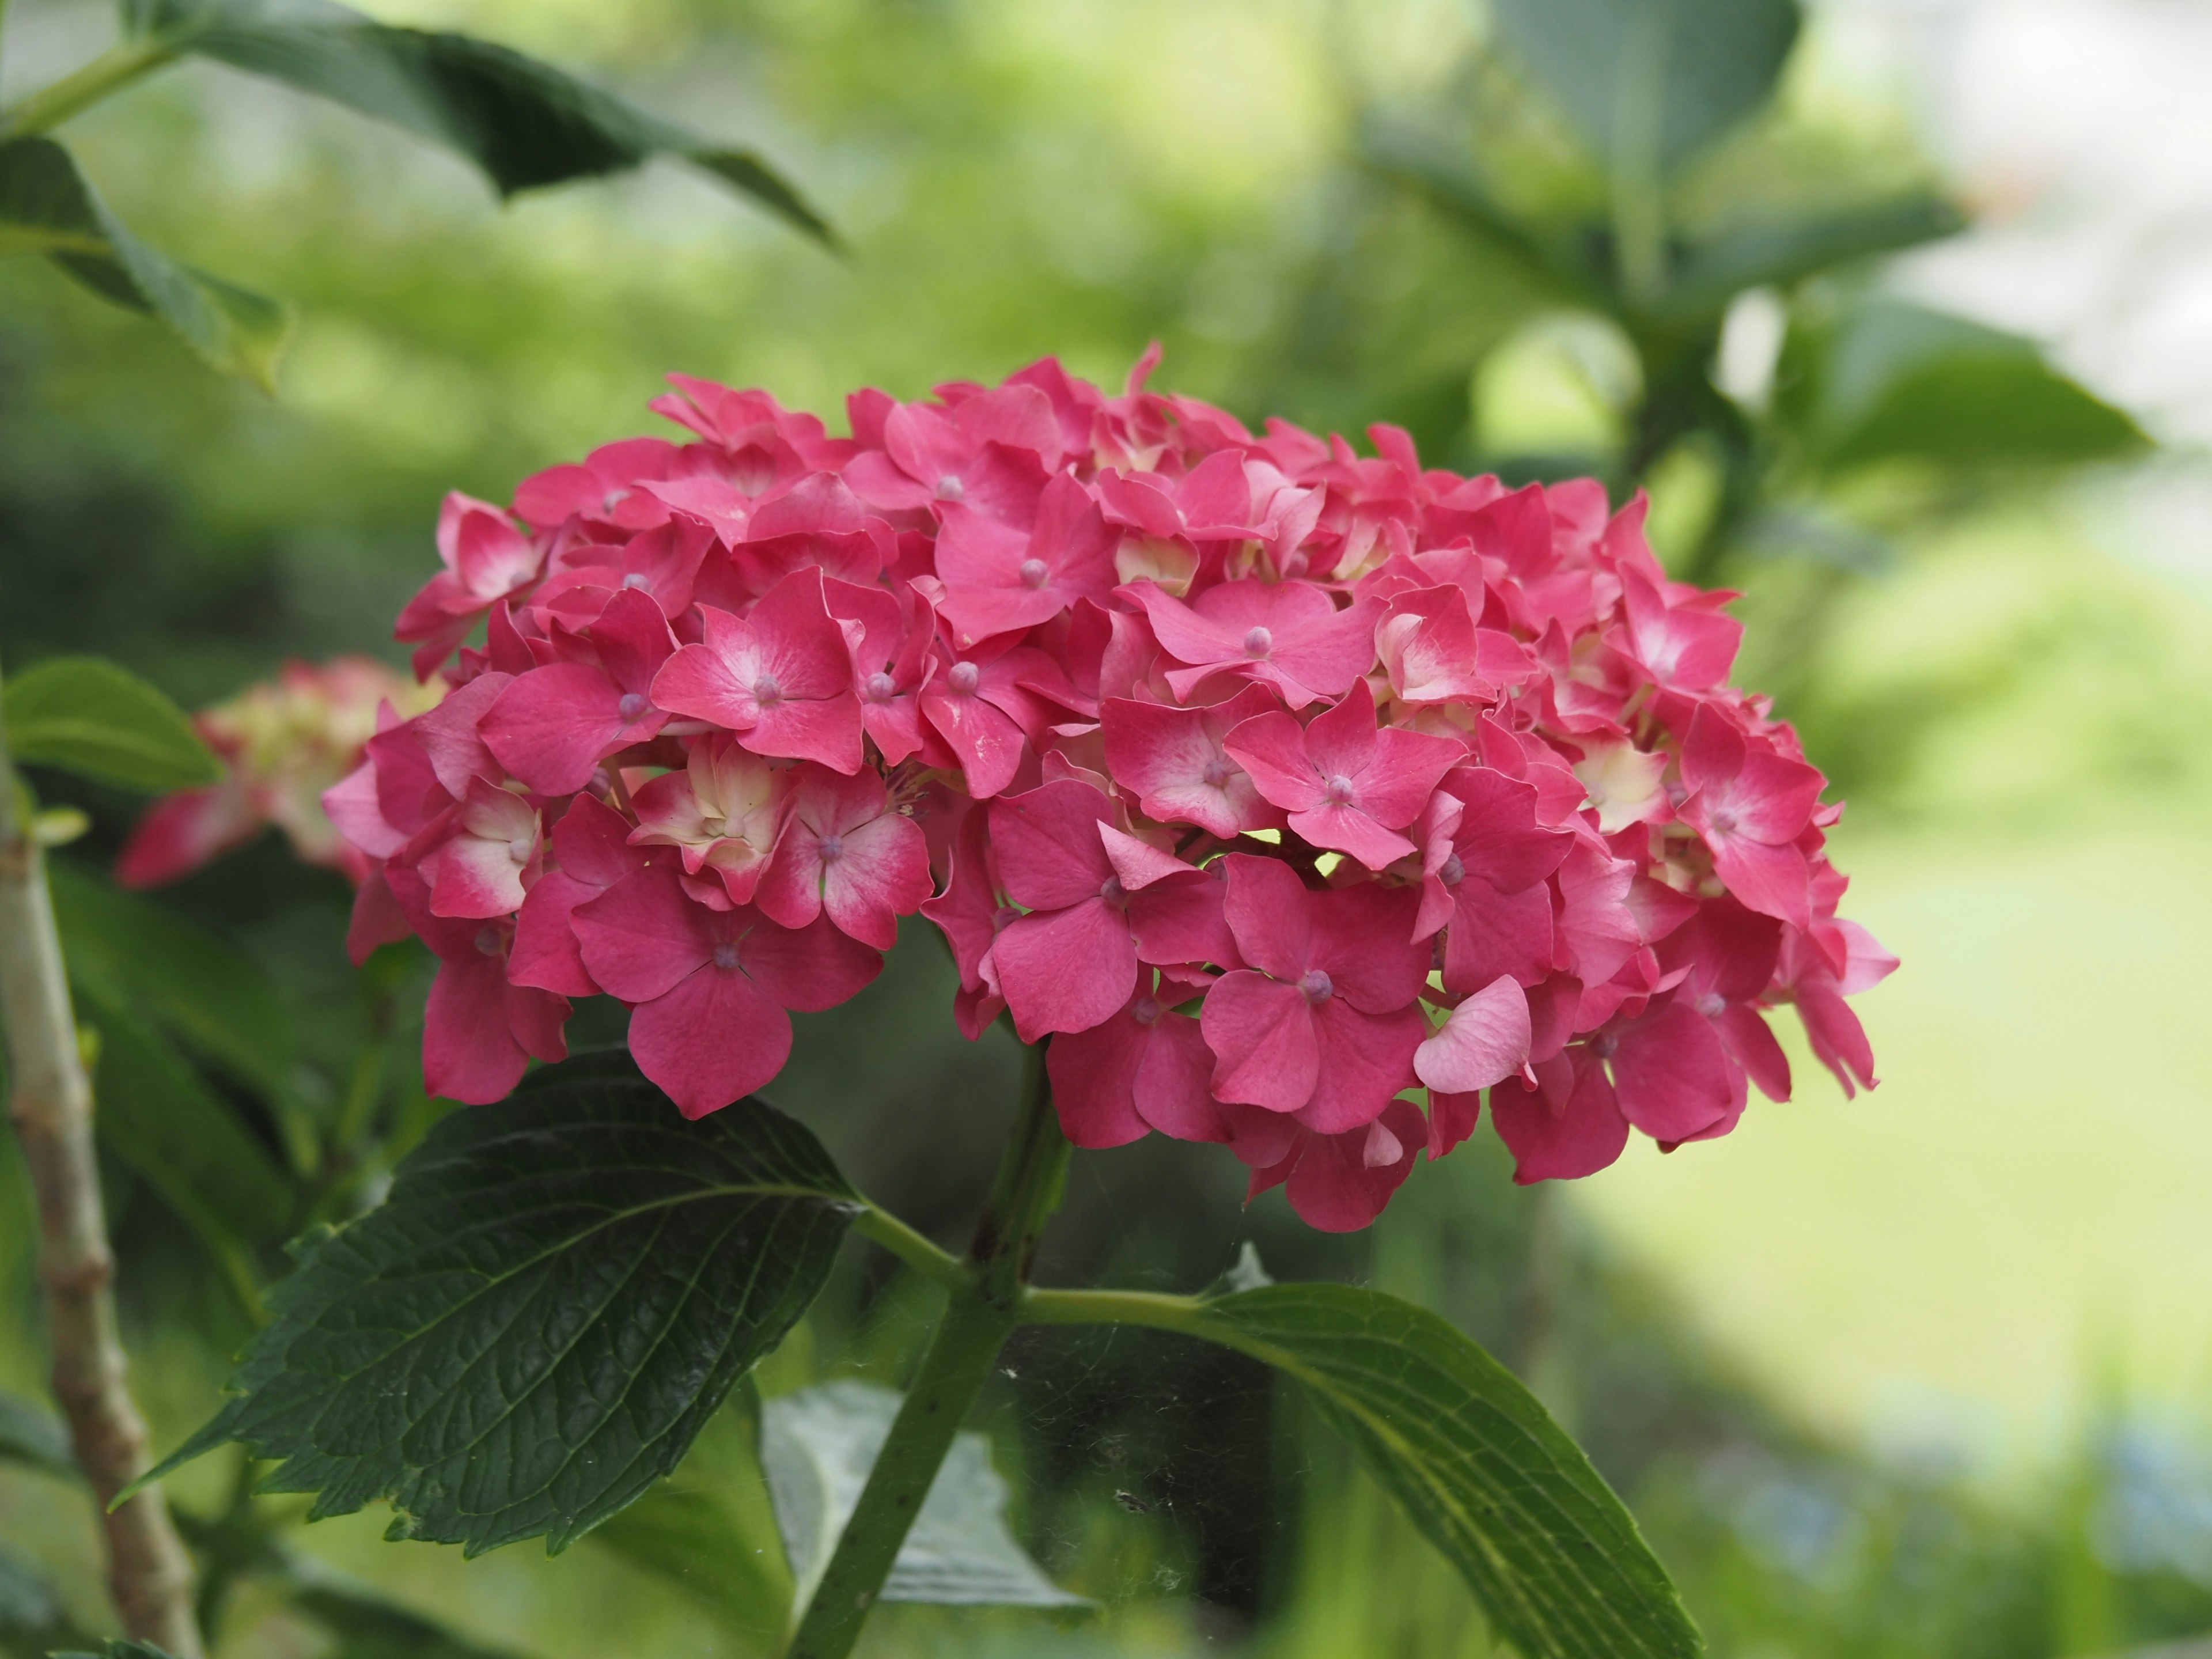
1304,798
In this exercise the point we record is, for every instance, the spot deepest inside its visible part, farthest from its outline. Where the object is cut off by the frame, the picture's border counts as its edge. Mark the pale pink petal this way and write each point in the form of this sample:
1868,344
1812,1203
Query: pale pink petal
1485,1041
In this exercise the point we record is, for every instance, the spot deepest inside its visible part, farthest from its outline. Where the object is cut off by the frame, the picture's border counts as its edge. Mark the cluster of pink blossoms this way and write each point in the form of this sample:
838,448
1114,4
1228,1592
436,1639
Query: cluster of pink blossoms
1220,759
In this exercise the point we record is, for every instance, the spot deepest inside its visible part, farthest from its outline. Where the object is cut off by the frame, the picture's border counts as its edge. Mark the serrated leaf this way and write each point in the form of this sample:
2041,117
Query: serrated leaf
1553,1556
31,1434
555,1298
1899,382
710,1529
141,954
88,715
526,123
818,1447
1678,71
47,206
1769,252
157,1112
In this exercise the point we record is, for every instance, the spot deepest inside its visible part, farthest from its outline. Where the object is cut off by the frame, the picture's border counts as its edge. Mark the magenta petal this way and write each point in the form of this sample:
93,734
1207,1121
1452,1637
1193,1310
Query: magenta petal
1494,933
1183,920
1671,1073
1485,1041
1365,1060
1272,748
469,1051
544,953
1775,881
1094,1081
1342,1182
550,726
1265,1049
1066,970
1569,1128
1748,1036
1174,1083
643,934
809,969
1452,1119
1268,915
827,730
1348,830
1046,844
712,1037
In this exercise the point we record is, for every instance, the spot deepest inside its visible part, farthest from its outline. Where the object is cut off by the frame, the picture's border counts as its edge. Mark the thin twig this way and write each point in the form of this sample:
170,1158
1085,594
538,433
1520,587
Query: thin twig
149,1574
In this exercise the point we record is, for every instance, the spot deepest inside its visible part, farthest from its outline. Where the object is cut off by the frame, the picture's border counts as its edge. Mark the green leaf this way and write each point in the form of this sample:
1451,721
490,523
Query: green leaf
1553,1556
89,716
118,1647
364,1623
137,953
1769,252
1679,72
526,123
28,1606
1898,382
710,1529
1427,166
157,1114
31,1434
47,206
818,1447
553,1301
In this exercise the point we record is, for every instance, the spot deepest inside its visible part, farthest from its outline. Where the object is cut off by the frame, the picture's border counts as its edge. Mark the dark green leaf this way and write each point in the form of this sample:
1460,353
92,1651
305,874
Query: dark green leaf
140,954
157,1112
47,206
554,1300
1675,72
1426,165
525,123
818,1447
1898,382
1550,1554
88,715
31,1434
1778,252
117,1647
709,1528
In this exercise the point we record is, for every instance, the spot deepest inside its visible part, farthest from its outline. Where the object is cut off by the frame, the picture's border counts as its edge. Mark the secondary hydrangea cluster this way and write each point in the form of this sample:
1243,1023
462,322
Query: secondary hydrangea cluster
282,743
1299,797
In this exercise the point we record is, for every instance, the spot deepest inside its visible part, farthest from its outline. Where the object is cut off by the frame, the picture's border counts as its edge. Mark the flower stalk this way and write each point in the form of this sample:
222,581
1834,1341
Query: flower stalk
986,1304
119,67
149,1575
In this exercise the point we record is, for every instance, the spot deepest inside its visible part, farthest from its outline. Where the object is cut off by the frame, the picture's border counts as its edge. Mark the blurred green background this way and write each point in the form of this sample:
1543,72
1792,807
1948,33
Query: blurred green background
1924,1373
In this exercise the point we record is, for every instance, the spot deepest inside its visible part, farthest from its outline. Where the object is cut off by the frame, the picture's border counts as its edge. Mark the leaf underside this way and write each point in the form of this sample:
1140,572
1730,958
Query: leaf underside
558,1293
1551,1555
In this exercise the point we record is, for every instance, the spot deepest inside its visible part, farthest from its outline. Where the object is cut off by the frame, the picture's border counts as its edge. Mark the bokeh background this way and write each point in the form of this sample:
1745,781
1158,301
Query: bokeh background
1923,1373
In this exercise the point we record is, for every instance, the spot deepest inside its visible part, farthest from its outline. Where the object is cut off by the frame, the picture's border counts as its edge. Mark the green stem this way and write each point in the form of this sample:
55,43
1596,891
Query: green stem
1161,1312
986,1304
109,73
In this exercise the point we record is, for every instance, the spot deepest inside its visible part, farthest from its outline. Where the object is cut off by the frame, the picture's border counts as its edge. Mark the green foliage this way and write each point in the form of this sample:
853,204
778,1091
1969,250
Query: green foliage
31,1435
89,716
818,1447
1892,381
134,952
525,123
1667,76
118,1647
365,1624
1551,1555
47,206
554,1300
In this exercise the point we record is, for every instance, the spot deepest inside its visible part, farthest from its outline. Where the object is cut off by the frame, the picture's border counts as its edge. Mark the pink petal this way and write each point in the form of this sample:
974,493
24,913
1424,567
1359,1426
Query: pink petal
1775,881
809,969
550,726
1265,1048
544,953
1341,1182
643,934
1348,830
1494,933
1751,1042
1671,1073
1272,748
1065,970
1485,1041
1452,1119
1167,756
1046,844
469,1054
1182,919
1267,913
1365,1060
1094,1081
711,1037
1570,1127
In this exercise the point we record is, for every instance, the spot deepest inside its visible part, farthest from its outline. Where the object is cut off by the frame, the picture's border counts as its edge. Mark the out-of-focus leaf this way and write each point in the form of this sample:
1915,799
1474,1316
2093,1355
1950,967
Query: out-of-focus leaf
1679,72
31,1434
710,1529
118,1647
818,1447
88,715
157,1114
1777,252
29,1608
138,953
47,206
555,1298
1899,382
1425,165
363,1623
1553,1556
525,123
